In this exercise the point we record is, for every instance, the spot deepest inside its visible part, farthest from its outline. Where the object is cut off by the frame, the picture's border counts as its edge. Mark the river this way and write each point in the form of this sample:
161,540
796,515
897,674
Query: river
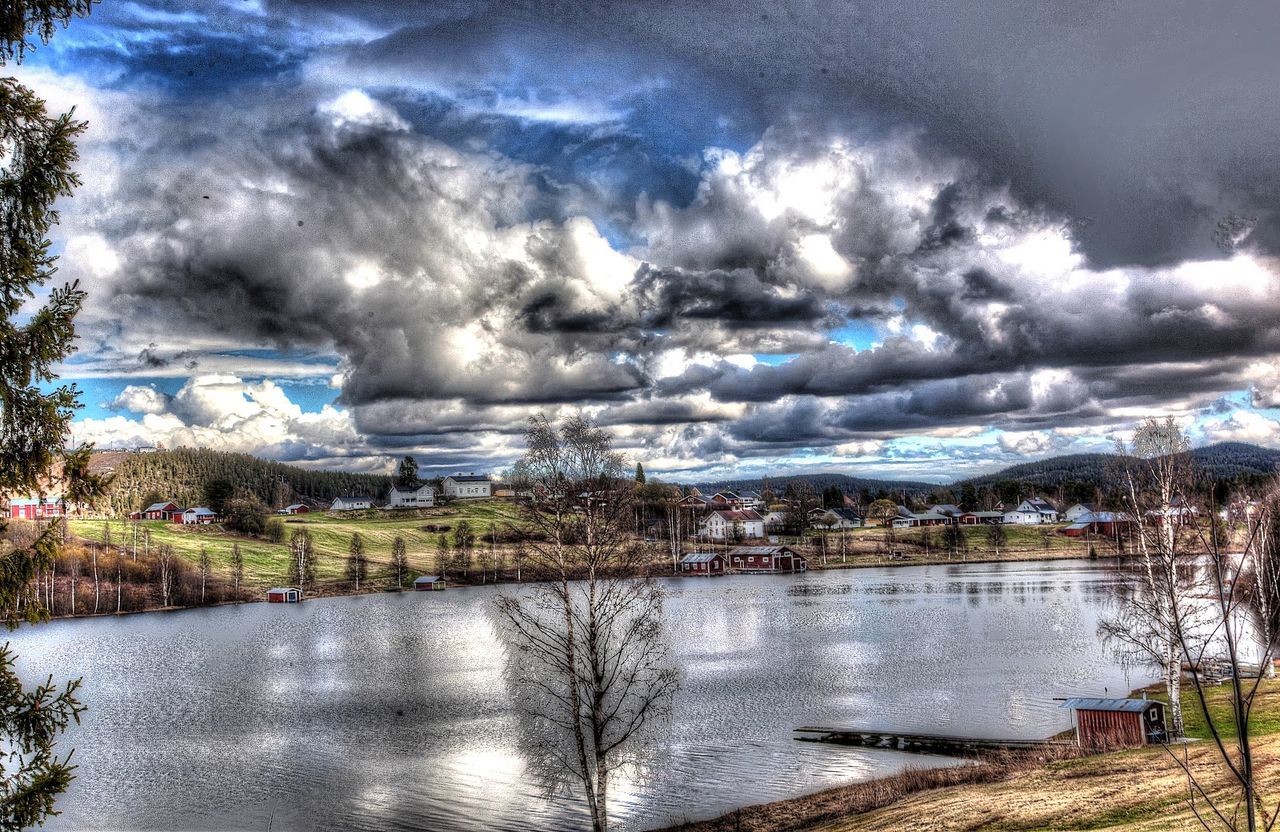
388,711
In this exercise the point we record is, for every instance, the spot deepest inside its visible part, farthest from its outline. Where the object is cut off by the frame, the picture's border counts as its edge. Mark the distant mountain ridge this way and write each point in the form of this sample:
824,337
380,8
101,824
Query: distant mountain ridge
1224,460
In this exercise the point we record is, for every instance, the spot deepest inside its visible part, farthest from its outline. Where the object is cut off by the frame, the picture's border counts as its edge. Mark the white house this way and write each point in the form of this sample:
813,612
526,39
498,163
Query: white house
198,516
467,486
836,518
723,525
750,499
350,503
1032,512
424,496
1079,511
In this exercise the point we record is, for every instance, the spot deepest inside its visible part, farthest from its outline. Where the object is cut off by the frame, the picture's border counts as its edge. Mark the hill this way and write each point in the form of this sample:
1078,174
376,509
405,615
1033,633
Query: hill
1225,460
846,483
181,475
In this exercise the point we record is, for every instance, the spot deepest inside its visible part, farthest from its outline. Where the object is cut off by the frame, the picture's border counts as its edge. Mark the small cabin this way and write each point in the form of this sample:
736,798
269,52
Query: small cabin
284,595
1106,724
427,583
702,563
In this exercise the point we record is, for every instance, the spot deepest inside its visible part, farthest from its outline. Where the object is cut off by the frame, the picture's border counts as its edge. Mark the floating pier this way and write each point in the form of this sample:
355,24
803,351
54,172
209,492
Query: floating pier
918,743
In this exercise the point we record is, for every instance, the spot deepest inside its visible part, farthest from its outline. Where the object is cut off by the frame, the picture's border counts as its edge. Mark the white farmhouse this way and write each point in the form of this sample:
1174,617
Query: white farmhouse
1032,512
1077,512
723,525
424,496
350,503
467,486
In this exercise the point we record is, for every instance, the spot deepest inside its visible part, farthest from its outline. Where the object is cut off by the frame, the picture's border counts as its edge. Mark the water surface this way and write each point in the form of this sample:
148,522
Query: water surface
388,711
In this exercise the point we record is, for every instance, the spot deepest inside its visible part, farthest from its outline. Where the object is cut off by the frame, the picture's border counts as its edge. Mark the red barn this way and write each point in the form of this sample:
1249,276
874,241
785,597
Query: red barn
161,511
702,563
766,559
1105,724
284,595
35,508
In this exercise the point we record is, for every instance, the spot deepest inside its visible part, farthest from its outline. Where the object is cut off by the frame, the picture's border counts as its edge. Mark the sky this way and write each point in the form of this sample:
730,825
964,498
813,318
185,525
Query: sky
911,241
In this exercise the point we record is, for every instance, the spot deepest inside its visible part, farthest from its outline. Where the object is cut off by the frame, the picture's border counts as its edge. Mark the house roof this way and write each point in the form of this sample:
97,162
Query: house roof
749,495
1077,527
468,477
1041,505
427,579
1105,517
160,506
283,589
761,550
294,505
700,557
947,508
742,516
1123,705
201,511
728,495
350,499
1086,506
984,513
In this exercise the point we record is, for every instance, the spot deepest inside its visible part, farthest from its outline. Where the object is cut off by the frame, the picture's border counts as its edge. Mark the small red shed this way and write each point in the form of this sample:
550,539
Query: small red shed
702,563
284,595
1105,724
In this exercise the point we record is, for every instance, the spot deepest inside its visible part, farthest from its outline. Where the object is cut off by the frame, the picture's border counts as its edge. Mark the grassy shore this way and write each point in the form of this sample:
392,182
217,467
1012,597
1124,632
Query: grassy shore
1142,790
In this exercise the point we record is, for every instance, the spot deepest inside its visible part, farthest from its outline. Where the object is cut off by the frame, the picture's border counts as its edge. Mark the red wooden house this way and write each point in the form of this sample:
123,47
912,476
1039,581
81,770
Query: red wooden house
766,559
35,508
702,563
1105,724
161,511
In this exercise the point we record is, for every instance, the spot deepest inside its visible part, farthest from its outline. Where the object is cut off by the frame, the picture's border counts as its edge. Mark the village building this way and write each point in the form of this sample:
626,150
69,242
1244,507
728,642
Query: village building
427,583
907,519
1108,524
836,518
775,521
35,508
350,503
424,496
161,511
732,525
468,486
694,502
702,563
766,559
978,518
724,499
198,516
1032,512
1077,511
295,508
284,595
750,499
1107,724
948,510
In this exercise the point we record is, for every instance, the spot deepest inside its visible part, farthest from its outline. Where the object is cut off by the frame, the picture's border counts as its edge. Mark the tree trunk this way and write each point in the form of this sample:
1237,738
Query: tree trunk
1173,686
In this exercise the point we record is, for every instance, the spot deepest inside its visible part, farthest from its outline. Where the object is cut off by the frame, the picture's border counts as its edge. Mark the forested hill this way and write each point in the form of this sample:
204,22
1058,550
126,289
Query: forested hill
182,475
1223,461
849,485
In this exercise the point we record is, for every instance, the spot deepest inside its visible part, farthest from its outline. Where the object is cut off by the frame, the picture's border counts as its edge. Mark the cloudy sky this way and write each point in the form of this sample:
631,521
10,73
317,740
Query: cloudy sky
890,239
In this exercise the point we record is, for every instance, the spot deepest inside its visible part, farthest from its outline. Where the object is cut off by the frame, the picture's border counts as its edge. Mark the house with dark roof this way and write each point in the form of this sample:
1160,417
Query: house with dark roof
1032,512
468,486
350,503
836,518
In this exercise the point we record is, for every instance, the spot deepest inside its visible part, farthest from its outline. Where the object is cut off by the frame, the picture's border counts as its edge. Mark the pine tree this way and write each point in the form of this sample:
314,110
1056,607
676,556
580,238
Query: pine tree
357,562
640,478
407,472
37,152
399,560
463,540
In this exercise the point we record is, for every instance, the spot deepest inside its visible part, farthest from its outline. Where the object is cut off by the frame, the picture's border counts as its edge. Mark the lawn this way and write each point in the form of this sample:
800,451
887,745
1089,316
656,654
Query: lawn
267,564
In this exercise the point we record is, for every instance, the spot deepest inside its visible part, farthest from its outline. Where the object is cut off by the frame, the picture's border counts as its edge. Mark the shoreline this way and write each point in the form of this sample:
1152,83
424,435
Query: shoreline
457,585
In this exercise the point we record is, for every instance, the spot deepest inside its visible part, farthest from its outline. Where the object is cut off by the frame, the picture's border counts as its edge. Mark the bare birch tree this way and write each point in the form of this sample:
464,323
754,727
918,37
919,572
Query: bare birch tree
302,561
587,658
399,560
165,568
206,566
237,569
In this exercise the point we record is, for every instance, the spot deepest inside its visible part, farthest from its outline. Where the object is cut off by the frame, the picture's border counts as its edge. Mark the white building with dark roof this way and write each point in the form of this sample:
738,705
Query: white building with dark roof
424,496
468,486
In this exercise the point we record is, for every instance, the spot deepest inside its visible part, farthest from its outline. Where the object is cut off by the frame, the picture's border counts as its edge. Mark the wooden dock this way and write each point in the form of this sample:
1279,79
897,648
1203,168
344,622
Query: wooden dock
918,743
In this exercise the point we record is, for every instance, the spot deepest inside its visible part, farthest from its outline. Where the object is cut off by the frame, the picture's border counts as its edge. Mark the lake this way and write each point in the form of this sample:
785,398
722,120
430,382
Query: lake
389,712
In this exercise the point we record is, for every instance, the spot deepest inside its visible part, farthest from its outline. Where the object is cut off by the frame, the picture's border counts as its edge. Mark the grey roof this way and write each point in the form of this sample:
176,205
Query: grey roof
985,513
160,506
284,589
751,495
427,579
947,508
1126,705
366,499
700,557
1078,527
468,477
201,511
760,550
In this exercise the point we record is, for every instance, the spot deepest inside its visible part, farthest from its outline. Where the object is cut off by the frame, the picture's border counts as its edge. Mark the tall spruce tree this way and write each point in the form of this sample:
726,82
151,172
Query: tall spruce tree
37,152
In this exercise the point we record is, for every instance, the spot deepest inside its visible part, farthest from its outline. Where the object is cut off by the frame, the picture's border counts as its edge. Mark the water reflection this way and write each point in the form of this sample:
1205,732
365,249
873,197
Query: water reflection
388,712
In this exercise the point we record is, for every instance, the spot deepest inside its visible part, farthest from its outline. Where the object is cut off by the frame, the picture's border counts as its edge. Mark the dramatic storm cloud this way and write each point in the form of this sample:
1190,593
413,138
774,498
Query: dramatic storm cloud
745,239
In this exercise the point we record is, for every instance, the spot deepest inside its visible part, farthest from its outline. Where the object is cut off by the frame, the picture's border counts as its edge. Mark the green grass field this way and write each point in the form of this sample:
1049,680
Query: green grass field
267,564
